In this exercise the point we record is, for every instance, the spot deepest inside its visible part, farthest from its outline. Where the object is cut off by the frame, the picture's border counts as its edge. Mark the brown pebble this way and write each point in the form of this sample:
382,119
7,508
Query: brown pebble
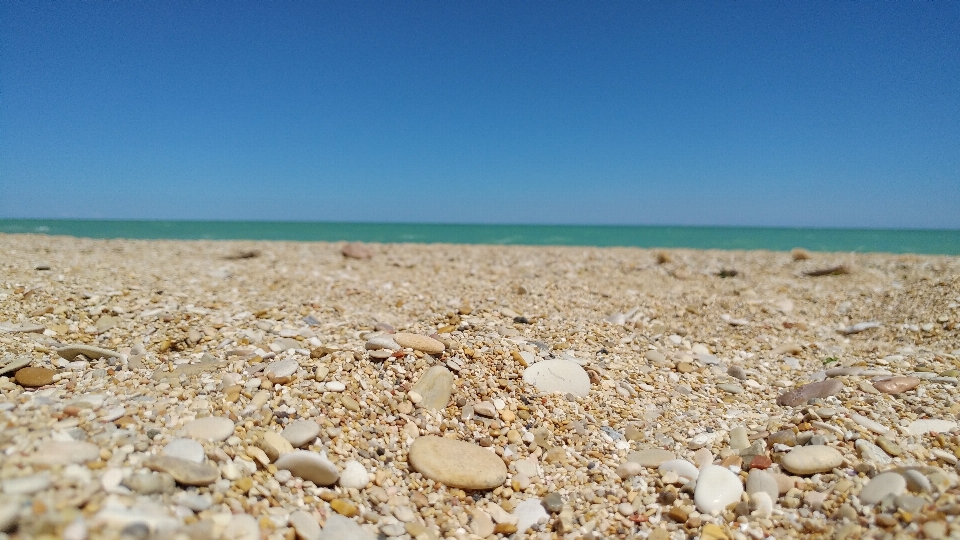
896,385
357,250
679,514
32,377
344,507
800,395
760,462
505,528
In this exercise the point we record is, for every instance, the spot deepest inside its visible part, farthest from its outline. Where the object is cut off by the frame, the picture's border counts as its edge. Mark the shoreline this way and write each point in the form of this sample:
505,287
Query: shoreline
682,356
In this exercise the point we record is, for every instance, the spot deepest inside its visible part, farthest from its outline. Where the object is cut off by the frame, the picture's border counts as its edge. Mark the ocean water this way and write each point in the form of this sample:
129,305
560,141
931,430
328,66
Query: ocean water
779,239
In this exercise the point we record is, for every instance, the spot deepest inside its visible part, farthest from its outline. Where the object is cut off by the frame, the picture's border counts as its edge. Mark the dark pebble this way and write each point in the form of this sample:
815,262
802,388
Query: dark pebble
553,503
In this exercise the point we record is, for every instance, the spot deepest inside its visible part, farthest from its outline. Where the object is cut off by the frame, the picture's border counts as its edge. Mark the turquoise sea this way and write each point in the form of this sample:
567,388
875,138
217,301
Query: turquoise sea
860,240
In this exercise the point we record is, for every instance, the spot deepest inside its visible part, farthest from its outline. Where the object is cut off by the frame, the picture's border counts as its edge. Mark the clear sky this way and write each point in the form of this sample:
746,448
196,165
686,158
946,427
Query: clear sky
730,113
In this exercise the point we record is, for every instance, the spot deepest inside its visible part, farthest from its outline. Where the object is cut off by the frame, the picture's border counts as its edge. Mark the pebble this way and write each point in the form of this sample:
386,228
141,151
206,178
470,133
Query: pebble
738,438
485,408
456,463
651,457
354,475
896,385
25,485
338,527
34,377
716,488
921,427
241,527
309,466
64,453
184,472
93,353
869,424
800,396
187,449
357,250
214,428
281,368
13,364
889,446
872,453
882,485
434,387
628,469
685,470
528,513
761,481
558,376
382,342
300,432
419,343
305,525
806,460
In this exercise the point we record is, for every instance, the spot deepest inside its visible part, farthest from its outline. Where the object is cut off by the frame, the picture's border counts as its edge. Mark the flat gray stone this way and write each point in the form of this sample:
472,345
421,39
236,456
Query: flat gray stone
435,386
282,368
93,353
300,432
558,376
187,449
882,485
309,466
339,527
185,472
456,463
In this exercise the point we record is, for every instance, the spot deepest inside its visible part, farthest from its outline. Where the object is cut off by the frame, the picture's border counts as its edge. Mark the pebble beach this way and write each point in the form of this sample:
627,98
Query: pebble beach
242,390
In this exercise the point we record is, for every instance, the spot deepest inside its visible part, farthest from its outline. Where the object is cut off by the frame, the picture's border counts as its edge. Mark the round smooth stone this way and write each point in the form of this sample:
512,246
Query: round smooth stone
870,424
629,468
354,475
215,428
33,377
881,485
187,449
896,385
921,427
184,472
65,453
812,459
300,432
682,468
716,488
651,457
456,463
558,376
26,485
419,343
309,466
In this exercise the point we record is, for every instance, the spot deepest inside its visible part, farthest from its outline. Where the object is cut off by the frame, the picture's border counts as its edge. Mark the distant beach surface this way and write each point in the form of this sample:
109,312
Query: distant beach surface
944,242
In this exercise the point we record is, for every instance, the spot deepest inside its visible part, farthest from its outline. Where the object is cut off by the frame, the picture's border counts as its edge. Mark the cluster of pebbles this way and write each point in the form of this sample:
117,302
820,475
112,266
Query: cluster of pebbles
246,390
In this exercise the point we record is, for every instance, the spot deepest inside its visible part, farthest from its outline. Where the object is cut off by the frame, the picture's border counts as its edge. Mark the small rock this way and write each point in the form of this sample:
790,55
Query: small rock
628,469
651,457
34,377
305,525
716,488
558,376
457,463
921,427
528,513
93,353
799,396
300,432
354,475
872,453
25,485
896,385
184,472
435,387
338,527
382,343
419,343
762,481
888,483
187,449
309,466
685,470
212,428
812,459
64,453
869,424
356,250
553,503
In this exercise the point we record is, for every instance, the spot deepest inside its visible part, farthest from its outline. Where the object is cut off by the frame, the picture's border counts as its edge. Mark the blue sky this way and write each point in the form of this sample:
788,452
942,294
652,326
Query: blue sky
748,113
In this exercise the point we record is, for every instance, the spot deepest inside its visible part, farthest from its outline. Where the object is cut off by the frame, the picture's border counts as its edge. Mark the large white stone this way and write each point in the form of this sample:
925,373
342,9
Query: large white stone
215,428
881,485
187,449
812,459
558,376
716,488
